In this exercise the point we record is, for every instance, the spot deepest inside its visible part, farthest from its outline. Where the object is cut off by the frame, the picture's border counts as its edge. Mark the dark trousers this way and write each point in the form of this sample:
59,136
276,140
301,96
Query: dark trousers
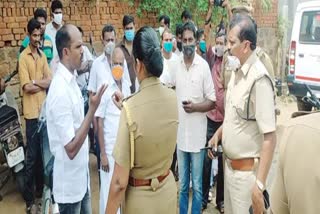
212,127
174,162
33,166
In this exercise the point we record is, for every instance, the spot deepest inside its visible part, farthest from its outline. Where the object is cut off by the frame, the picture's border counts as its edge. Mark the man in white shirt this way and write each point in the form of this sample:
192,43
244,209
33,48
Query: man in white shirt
196,95
170,60
68,128
108,116
101,72
56,23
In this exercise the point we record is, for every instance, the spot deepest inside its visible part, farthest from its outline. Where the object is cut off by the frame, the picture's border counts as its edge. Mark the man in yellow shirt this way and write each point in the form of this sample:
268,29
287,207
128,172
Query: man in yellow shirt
35,78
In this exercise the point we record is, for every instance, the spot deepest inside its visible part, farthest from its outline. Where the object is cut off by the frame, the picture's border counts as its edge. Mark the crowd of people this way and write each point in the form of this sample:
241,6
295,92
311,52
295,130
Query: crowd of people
157,100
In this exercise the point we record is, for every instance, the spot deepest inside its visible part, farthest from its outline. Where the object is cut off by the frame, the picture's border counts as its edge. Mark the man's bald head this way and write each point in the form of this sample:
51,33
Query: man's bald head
117,56
63,37
69,46
248,28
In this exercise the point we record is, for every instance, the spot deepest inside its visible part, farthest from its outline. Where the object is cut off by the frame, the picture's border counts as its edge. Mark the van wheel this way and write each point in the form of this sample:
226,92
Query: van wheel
302,106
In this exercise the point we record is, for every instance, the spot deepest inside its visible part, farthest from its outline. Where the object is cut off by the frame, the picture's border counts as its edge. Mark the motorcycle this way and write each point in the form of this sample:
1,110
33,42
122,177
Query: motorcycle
12,151
310,99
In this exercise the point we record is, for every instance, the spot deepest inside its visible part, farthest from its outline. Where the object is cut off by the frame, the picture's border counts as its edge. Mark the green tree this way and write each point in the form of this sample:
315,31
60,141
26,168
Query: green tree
174,9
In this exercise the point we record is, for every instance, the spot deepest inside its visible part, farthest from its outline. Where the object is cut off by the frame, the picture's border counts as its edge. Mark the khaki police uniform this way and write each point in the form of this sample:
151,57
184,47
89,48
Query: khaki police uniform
154,117
296,188
242,138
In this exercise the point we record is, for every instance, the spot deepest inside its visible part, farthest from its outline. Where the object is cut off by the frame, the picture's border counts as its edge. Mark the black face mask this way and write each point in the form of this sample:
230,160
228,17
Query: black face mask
179,46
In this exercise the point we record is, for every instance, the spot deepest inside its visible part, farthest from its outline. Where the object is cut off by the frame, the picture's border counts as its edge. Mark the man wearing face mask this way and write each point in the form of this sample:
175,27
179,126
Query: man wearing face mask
56,23
101,71
164,22
196,96
126,46
170,59
108,116
35,78
248,130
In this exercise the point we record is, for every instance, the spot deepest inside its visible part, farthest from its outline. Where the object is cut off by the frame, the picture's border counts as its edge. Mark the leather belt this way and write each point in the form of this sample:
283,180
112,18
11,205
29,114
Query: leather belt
146,182
245,164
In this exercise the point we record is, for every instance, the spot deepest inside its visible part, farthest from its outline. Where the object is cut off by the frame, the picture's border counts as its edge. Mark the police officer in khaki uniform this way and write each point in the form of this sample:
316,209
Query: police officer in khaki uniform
248,131
262,55
296,188
146,138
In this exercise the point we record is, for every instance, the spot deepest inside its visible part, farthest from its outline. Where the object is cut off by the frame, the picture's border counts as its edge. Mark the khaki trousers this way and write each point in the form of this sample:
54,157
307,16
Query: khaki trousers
237,190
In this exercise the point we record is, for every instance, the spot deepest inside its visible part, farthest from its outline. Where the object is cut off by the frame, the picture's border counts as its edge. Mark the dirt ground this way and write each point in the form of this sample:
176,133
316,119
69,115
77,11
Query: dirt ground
13,203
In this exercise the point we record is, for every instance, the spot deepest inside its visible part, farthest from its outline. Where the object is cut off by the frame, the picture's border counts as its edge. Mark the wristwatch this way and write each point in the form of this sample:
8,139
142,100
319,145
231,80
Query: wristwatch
33,82
260,185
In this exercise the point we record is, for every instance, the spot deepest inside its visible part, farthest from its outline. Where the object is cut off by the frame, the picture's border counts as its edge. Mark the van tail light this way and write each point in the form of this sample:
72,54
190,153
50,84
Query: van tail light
292,58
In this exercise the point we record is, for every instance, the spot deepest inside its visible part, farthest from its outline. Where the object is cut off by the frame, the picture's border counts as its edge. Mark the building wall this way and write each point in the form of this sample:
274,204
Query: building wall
91,15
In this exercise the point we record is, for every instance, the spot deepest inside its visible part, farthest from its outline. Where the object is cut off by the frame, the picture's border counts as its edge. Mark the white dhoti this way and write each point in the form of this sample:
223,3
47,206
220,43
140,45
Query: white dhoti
106,178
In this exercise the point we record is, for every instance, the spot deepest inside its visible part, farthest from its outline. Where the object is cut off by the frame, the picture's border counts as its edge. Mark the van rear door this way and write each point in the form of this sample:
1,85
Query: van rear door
307,56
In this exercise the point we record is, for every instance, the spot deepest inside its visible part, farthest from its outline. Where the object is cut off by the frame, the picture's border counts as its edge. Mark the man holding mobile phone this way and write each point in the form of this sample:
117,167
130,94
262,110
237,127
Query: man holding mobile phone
196,95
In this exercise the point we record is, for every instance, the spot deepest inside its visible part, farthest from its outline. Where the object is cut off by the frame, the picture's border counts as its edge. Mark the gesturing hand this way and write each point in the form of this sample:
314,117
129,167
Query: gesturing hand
95,99
117,98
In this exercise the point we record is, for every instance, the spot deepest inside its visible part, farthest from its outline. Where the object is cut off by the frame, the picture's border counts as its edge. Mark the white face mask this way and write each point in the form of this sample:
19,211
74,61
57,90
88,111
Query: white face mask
233,63
161,29
109,47
57,18
219,50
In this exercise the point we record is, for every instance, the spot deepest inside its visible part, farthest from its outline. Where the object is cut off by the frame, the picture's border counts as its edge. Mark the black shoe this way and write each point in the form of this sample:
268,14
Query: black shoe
204,206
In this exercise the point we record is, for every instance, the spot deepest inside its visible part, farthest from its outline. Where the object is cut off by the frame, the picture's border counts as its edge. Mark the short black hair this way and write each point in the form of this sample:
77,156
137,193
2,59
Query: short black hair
56,4
39,12
108,28
166,19
146,48
200,32
222,34
179,29
80,29
63,39
248,28
189,26
32,25
186,14
127,19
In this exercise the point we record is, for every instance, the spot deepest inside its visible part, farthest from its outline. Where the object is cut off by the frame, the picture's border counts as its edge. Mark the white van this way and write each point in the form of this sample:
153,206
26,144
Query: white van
304,53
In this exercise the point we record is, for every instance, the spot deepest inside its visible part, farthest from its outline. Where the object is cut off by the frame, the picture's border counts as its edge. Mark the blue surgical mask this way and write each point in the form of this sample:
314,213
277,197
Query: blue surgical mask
202,45
129,34
167,46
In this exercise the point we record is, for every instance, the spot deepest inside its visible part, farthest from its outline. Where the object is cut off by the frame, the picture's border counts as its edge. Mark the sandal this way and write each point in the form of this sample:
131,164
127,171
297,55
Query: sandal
220,207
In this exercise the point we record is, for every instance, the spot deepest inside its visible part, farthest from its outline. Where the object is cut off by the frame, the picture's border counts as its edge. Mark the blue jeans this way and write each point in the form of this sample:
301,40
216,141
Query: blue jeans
81,207
190,162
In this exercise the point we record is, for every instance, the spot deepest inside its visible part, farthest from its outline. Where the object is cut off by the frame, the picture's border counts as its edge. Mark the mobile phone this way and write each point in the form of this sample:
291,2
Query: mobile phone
266,201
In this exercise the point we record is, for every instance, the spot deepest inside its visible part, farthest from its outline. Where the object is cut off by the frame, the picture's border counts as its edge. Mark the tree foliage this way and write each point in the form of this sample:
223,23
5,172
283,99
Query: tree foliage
174,8
198,9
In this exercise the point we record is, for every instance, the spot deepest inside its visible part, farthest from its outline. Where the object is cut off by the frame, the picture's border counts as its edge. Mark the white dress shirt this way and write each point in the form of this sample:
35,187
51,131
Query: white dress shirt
110,113
65,114
52,32
194,84
101,72
169,69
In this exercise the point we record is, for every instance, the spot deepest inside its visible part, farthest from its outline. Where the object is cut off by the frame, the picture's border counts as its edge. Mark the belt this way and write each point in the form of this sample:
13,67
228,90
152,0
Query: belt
146,182
245,164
